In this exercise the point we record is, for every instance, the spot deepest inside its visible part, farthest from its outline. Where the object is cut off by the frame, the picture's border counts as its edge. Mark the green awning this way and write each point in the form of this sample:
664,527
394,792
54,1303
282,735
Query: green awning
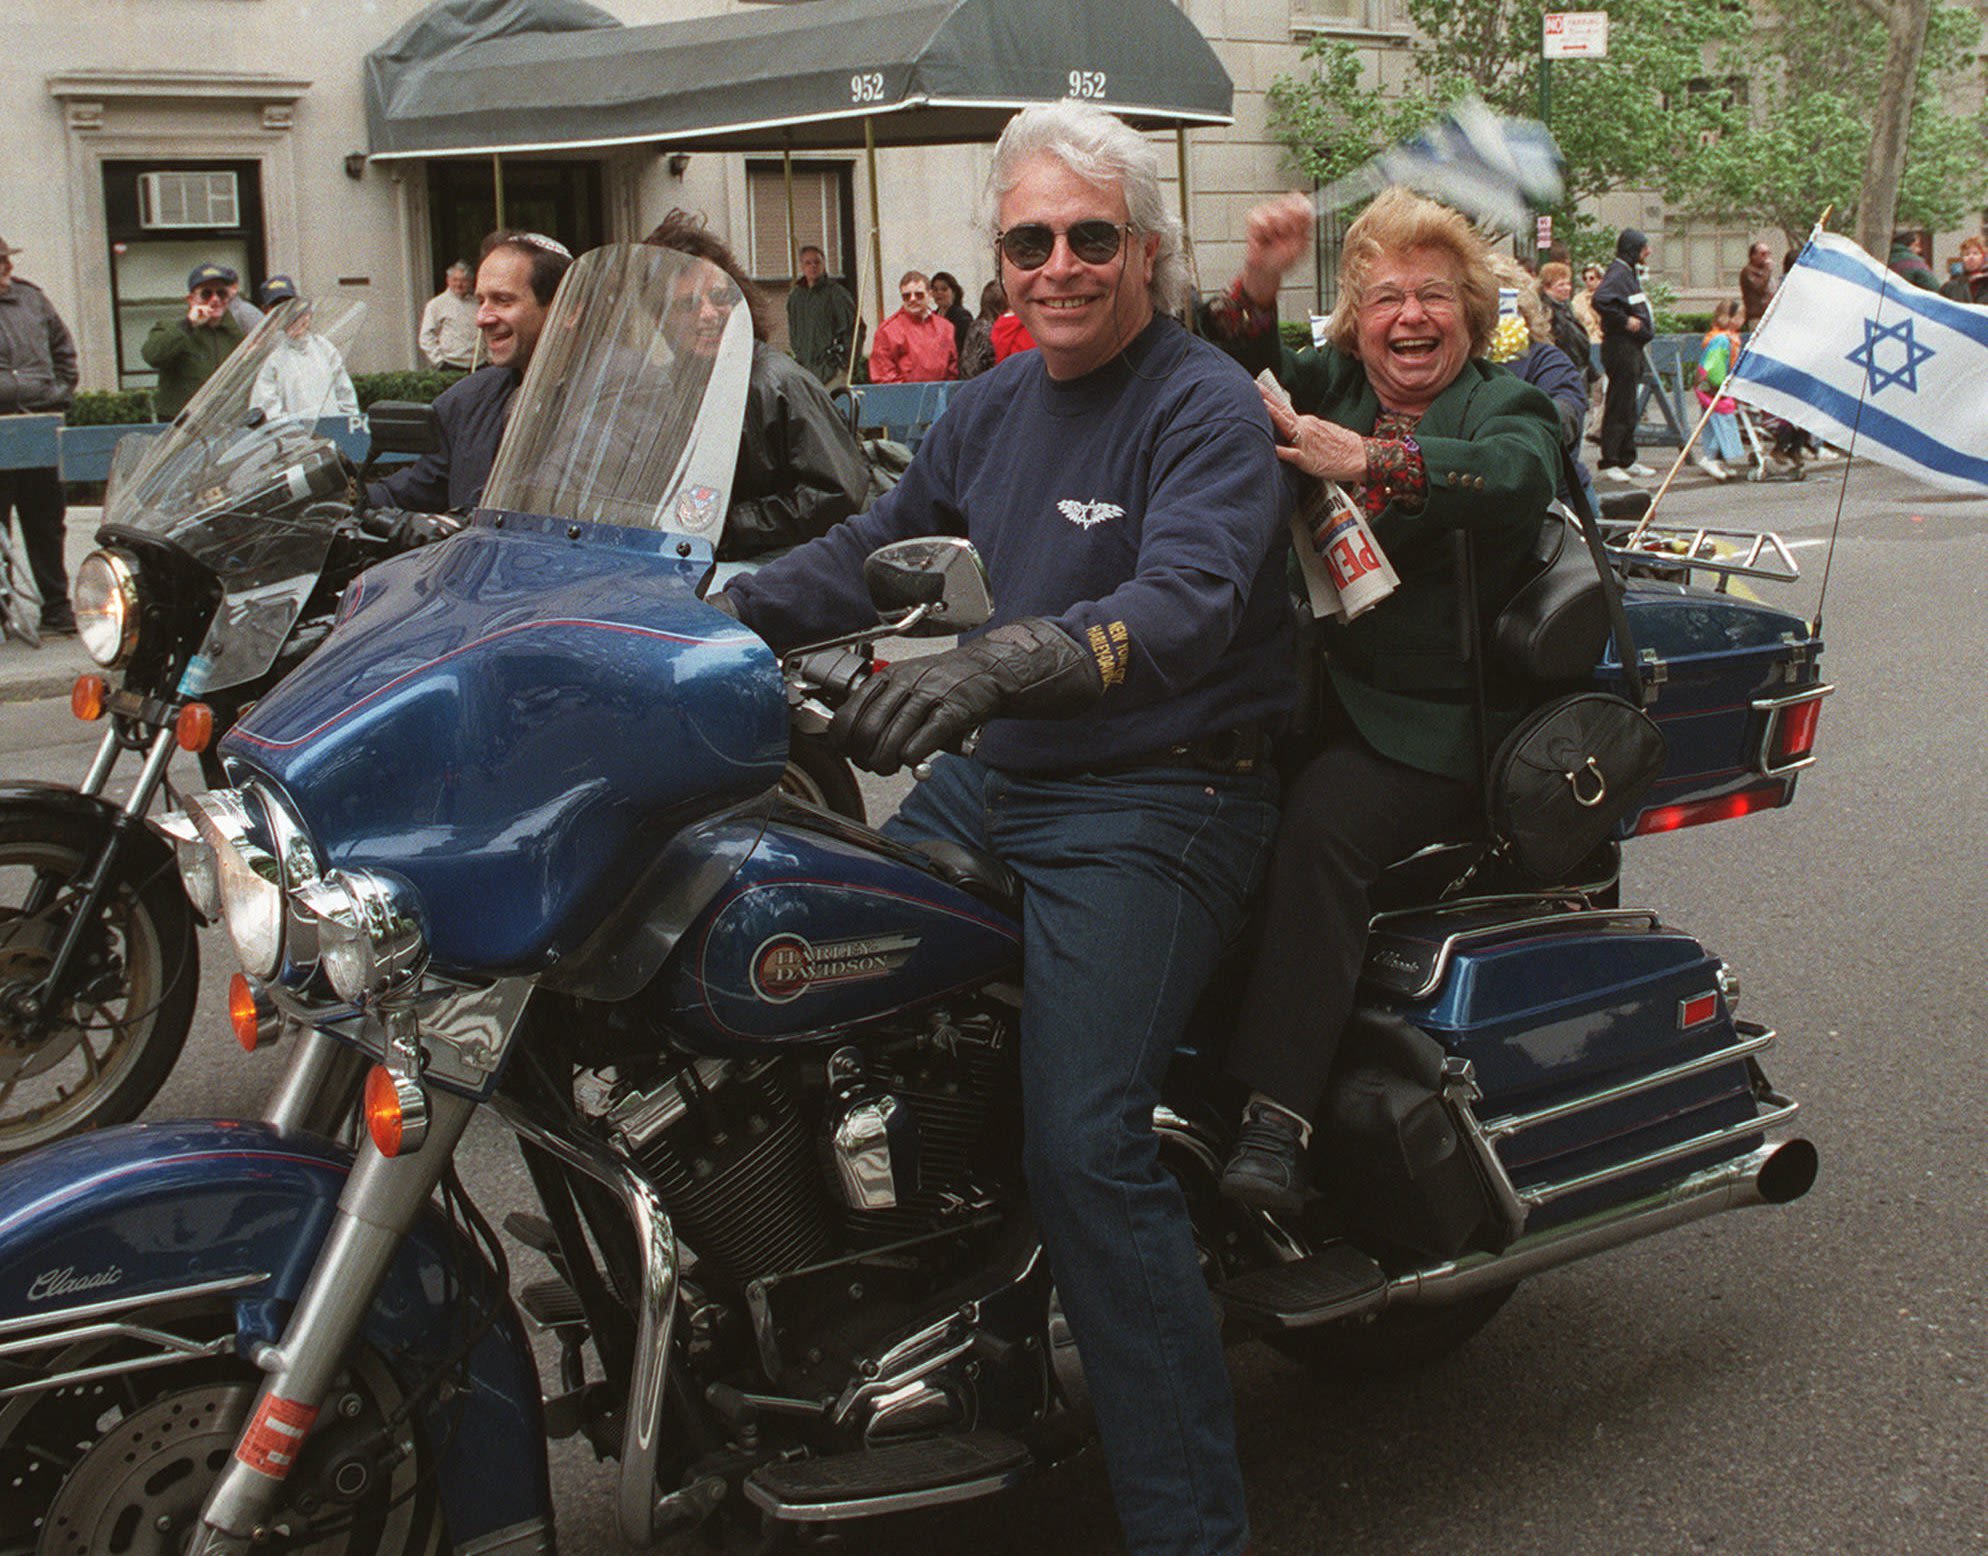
471,77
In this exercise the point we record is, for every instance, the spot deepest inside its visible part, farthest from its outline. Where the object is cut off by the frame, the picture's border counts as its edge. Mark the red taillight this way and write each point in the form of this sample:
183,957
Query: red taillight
86,697
1695,813
1794,733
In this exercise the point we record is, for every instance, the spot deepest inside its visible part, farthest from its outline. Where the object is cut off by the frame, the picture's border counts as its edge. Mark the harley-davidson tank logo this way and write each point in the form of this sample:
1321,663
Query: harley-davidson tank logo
65,1282
785,966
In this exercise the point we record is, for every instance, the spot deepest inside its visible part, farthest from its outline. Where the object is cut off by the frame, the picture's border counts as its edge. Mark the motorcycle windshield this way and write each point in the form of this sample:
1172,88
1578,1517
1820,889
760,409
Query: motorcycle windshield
243,483
630,412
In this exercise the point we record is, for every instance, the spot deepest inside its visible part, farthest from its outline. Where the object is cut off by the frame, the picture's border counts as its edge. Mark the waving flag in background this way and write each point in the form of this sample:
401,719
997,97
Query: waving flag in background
1849,350
1486,166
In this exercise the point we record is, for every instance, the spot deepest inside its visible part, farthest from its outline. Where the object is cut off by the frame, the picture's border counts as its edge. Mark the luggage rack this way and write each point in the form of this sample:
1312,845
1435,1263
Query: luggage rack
1685,550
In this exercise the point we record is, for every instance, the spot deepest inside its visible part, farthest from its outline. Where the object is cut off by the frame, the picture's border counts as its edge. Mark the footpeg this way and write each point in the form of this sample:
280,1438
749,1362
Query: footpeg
889,1480
1336,1282
533,1231
551,1304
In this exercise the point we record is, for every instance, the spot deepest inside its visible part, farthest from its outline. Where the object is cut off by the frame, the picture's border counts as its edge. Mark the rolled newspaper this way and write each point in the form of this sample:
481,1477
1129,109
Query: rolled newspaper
1345,570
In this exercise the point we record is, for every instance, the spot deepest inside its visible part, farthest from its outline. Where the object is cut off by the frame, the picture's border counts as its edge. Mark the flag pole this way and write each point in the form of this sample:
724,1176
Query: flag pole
1706,415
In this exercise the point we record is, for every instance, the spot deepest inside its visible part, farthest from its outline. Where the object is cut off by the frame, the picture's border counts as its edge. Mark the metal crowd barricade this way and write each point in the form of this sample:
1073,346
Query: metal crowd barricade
904,413
84,453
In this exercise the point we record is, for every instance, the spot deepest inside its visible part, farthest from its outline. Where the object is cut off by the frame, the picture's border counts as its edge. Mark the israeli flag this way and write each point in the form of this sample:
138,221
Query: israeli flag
1478,162
1866,360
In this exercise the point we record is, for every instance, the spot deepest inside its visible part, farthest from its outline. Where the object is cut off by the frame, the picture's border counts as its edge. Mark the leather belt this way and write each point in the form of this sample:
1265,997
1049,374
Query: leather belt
1244,749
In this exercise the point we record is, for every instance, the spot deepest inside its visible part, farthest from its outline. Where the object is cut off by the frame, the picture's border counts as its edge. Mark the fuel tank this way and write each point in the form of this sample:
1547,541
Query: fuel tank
823,928
519,719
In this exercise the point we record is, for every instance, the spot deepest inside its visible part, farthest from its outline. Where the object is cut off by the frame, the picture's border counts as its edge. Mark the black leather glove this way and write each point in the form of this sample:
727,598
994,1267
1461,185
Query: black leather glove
1030,668
421,529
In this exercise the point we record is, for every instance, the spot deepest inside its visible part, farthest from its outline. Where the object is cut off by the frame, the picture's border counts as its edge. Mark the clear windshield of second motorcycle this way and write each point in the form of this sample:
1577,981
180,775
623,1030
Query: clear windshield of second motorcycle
630,411
248,439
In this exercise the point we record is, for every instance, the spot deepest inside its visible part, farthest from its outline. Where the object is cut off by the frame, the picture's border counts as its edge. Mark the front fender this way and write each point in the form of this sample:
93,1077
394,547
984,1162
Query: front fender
148,852
127,1216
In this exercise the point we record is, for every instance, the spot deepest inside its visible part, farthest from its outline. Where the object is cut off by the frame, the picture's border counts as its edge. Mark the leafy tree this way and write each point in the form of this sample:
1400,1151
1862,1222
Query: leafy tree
1803,140
1620,121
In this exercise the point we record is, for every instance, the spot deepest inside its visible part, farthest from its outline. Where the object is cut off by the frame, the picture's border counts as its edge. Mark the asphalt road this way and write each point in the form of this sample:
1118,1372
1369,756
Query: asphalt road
1771,1383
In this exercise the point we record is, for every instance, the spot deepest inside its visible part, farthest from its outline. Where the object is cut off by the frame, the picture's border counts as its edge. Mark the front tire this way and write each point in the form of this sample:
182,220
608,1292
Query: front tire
125,1462
105,1053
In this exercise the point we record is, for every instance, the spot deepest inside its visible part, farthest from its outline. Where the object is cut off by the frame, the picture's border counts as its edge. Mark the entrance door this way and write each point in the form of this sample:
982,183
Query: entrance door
563,200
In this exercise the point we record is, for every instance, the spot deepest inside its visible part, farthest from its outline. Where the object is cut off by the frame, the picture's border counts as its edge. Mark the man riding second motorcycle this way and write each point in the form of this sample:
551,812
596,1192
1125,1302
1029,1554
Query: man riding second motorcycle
1121,484
515,281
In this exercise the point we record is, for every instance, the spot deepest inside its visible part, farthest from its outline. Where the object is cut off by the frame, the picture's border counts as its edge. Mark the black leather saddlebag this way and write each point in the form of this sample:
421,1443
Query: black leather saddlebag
1394,1161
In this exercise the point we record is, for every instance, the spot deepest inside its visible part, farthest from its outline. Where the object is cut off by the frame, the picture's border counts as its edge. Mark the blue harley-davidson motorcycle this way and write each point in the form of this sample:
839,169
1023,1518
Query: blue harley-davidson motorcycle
511,839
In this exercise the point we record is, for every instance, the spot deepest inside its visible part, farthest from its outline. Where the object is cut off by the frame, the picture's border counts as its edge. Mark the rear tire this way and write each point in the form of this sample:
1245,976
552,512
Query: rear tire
1398,1339
105,1055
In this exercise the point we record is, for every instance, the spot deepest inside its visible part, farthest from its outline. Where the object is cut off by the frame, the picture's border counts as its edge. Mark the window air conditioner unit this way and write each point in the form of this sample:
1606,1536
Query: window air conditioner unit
176,200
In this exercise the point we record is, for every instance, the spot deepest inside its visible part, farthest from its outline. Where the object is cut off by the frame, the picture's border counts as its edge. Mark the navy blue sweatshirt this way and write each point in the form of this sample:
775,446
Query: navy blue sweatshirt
1140,507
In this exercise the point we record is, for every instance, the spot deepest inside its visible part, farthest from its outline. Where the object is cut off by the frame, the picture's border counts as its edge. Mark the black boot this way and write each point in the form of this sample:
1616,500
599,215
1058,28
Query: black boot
1266,1171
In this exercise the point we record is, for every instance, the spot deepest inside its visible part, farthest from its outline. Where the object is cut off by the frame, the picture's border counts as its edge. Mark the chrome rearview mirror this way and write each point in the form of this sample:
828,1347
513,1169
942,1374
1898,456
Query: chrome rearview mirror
930,587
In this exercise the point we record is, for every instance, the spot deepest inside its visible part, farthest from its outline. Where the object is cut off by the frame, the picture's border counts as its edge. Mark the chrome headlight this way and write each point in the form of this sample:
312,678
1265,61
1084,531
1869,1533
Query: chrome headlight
105,597
371,939
209,821
247,853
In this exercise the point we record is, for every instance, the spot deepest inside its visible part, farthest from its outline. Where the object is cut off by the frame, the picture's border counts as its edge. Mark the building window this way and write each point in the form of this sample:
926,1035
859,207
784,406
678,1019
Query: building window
1312,17
824,216
1704,258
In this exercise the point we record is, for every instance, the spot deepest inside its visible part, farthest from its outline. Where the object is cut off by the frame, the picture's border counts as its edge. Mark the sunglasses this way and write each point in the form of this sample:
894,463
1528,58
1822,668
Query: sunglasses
1028,246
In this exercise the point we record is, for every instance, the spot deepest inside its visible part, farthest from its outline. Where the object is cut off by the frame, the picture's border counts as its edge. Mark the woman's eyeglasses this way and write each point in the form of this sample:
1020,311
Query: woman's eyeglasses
1029,245
1436,297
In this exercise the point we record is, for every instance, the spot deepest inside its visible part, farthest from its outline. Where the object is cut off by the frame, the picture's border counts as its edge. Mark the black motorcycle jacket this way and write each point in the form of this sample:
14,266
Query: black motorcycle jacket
800,469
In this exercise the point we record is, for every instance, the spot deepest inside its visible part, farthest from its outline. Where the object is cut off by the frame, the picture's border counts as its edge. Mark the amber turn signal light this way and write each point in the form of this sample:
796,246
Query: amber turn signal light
194,727
249,1012
396,1111
86,698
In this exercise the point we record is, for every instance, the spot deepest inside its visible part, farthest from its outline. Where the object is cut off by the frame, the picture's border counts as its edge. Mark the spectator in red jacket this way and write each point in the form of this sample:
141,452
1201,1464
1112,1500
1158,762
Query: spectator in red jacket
914,345
1010,336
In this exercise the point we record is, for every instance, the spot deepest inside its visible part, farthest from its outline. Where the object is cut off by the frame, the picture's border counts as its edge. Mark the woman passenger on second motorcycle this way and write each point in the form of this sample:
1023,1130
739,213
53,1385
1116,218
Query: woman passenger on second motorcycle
1401,408
801,470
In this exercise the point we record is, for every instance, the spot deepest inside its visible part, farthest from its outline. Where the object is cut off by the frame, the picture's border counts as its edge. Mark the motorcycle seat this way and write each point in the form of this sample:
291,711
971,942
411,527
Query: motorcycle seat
980,875
1442,873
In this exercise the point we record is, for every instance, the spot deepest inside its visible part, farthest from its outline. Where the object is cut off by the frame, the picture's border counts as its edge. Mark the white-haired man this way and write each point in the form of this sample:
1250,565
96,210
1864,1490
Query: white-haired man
1120,483
448,323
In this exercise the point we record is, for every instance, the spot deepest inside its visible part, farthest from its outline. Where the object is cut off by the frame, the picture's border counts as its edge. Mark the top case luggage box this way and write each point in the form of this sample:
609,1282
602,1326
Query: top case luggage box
1724,675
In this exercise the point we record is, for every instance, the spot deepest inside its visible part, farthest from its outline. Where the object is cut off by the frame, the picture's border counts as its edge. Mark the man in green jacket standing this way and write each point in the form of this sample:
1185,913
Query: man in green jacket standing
820,314
186,351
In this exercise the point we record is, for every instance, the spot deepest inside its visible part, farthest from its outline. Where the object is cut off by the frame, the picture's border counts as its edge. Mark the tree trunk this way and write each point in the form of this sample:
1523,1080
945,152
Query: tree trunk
1877,206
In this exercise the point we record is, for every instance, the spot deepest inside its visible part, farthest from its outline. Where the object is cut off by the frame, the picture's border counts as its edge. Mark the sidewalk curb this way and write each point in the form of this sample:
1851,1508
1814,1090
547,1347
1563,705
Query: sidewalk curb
37,688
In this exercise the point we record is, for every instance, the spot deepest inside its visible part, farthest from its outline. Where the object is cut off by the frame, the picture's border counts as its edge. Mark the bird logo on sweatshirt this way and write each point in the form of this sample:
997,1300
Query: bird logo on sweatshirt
1088,515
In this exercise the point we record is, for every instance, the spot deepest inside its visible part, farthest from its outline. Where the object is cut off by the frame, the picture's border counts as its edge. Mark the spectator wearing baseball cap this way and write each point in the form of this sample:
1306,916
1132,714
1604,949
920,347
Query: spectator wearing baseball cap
187,351
277,289
37,374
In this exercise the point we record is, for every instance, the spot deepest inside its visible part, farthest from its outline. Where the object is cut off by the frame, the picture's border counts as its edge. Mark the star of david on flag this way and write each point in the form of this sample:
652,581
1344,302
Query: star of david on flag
1851,351
1871,356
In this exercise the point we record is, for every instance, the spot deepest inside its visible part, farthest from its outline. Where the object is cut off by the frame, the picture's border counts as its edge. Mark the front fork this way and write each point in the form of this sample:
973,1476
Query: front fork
382,1199
93,885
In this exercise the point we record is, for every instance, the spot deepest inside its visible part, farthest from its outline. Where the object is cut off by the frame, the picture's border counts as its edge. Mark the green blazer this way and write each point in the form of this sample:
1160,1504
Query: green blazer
1491,447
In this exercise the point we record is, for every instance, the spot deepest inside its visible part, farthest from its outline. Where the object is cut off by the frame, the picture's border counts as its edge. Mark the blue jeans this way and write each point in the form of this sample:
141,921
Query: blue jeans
1133,882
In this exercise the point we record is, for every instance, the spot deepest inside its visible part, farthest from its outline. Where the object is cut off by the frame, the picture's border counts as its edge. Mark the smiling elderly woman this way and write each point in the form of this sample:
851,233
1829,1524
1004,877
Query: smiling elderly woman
1431,440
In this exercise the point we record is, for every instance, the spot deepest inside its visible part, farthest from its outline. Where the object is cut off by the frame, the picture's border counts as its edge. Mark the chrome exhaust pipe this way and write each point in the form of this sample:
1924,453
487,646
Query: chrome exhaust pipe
1772,1175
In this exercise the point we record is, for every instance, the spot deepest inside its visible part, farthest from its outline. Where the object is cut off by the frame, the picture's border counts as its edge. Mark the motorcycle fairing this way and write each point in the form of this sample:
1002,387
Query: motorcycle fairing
160,1207
1568,1004
520,719
818,931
